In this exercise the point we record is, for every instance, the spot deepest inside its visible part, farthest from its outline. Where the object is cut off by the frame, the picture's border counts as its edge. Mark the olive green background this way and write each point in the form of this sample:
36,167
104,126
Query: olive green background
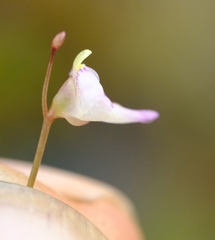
149,54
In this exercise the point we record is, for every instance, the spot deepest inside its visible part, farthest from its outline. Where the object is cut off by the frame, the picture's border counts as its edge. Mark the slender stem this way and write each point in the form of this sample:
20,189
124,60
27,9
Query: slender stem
40,150
46,83
48,117
47,122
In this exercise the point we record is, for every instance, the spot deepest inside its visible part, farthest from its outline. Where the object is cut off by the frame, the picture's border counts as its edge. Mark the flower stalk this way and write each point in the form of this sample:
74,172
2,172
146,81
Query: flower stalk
40,150
47,117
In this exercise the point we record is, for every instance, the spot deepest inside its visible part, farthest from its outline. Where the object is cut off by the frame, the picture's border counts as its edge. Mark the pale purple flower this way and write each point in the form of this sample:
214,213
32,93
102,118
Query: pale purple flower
82,99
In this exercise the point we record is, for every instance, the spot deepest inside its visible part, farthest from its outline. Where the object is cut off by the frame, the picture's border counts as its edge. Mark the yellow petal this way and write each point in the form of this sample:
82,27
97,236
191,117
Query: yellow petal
78,60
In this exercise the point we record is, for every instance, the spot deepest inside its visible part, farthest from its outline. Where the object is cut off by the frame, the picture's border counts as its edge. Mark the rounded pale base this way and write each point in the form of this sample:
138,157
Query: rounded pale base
29,214
105,206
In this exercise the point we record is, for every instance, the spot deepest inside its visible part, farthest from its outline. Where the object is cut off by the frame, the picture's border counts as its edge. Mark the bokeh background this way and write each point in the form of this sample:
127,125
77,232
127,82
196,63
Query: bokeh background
149,54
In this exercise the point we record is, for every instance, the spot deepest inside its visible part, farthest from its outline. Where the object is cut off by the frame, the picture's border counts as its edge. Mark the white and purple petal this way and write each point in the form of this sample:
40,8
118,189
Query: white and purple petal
82,99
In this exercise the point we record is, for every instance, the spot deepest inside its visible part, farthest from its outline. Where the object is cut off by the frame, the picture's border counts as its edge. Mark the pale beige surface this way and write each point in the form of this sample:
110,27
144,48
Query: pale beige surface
102,204
26,213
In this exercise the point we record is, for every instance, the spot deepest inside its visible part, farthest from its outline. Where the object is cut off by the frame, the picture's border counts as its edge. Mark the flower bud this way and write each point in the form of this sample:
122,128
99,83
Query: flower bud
58,40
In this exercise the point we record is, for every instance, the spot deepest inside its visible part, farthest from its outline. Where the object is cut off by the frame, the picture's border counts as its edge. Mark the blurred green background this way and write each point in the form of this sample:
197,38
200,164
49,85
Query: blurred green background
149,54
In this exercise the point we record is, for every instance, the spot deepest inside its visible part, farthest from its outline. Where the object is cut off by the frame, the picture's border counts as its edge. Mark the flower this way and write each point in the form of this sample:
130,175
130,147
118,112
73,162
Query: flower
82,99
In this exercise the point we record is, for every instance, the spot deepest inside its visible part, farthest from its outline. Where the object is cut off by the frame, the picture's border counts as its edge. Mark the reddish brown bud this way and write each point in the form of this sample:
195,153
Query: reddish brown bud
58,40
